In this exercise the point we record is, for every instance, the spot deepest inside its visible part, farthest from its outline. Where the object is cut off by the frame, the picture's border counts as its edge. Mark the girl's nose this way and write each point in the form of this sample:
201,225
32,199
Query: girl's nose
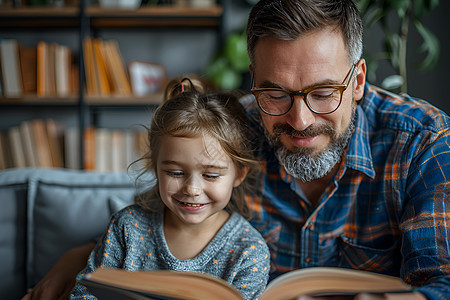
192,187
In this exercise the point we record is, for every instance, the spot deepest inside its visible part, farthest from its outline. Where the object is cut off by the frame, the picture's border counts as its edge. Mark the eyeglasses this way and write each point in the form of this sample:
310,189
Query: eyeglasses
323,99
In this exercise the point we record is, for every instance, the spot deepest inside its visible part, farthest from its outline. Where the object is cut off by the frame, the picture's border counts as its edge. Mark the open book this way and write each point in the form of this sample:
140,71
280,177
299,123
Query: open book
174,285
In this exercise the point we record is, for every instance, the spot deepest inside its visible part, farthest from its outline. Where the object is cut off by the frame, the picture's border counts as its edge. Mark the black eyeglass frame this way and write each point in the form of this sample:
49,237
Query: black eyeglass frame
341,87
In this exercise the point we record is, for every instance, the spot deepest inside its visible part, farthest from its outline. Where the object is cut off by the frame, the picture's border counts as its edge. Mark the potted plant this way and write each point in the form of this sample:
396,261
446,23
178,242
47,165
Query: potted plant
395,18
229,67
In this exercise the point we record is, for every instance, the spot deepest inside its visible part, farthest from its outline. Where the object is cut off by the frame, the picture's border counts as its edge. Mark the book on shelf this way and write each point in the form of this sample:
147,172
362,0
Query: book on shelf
47,143
116,68
42,145
55,70
72,148
130,146
103,150
55,134
51,78
42,69
105,69
89,149
29,145
28,67
10,67
92,87
100,68
163,284
118,154
1,80
17,148
6,160
63,64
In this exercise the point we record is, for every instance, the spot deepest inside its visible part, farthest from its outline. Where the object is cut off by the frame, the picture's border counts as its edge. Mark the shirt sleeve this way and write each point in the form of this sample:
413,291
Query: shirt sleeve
425,222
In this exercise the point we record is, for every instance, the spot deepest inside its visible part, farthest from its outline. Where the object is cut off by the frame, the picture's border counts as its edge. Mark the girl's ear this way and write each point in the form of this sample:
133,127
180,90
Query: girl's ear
240,176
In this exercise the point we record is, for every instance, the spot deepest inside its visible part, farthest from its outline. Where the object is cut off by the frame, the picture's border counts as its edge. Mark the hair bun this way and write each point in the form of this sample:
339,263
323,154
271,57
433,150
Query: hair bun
186,84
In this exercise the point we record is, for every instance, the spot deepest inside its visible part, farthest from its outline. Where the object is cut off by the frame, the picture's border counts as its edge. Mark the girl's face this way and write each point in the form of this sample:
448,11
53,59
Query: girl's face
195,178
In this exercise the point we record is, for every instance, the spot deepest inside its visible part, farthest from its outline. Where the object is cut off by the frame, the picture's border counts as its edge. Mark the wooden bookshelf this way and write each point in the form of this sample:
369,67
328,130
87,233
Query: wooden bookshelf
150,16
26,17
34,100
39,11
153,99
87,21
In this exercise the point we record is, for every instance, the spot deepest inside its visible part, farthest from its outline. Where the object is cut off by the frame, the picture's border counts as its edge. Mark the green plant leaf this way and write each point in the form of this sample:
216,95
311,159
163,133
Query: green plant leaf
222,74
216,65
422,7
372,66
236,52
400,6
430,45
228,79
373,16
392,82
363,6
392,47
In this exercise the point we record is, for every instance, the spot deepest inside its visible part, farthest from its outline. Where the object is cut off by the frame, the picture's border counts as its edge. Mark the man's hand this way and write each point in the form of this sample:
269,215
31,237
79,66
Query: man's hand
365,296
60,280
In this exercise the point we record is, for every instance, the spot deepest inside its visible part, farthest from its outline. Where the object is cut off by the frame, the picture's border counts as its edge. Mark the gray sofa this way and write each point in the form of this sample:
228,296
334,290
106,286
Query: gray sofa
45,212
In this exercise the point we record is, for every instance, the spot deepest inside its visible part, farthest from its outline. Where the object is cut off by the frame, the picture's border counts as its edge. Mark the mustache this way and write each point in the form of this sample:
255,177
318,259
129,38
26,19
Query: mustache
311,131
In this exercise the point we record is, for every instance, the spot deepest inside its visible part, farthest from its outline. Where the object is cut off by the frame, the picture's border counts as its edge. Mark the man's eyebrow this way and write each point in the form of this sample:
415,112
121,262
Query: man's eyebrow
270,84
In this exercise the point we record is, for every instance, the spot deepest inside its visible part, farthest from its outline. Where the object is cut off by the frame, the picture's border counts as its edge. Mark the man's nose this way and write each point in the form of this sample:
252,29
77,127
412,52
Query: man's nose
300,116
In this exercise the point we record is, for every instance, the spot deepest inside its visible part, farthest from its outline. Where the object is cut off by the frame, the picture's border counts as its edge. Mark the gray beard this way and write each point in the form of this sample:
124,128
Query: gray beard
302,163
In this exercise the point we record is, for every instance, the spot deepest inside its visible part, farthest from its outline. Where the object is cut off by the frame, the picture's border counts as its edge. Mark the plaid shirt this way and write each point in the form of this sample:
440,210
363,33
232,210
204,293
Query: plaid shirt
387,210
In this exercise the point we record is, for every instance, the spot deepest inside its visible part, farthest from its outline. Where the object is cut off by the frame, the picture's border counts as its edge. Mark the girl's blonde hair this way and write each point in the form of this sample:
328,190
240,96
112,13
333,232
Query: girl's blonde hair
190,111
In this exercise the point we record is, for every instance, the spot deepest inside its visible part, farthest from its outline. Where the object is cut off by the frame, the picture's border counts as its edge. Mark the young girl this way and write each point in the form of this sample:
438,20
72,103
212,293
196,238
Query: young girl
189,221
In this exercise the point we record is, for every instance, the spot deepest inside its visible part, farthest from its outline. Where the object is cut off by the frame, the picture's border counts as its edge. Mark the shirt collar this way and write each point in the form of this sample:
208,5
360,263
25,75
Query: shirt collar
359,153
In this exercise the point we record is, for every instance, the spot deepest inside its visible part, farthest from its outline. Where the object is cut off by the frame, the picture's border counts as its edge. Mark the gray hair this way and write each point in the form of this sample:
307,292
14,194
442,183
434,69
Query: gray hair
289,19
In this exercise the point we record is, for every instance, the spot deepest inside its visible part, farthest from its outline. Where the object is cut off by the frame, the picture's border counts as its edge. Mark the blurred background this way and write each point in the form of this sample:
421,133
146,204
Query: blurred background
399,35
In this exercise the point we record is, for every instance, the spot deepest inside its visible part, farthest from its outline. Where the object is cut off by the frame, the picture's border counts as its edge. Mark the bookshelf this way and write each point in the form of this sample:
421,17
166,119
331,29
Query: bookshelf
87,21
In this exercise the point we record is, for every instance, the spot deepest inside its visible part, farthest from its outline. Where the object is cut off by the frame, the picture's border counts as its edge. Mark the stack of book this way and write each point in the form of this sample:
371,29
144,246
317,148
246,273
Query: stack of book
48,69
106,72
47,144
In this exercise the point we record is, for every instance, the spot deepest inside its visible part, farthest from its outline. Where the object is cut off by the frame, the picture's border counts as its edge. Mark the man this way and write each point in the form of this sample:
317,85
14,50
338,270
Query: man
353,176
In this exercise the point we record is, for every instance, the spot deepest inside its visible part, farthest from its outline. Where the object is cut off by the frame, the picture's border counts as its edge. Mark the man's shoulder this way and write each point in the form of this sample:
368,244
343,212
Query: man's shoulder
401,111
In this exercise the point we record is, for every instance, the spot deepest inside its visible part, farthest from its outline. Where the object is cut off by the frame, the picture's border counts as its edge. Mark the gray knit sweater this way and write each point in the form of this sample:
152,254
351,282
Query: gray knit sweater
134,240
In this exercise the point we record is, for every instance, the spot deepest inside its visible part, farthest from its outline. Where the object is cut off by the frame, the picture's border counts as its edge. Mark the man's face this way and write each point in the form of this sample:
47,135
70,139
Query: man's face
317,58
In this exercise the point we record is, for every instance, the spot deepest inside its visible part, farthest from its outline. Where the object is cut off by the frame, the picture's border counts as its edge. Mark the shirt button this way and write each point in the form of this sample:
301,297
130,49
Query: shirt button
308,260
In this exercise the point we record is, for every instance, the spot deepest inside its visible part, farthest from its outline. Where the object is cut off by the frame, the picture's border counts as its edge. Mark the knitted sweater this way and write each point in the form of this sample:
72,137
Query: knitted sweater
134,240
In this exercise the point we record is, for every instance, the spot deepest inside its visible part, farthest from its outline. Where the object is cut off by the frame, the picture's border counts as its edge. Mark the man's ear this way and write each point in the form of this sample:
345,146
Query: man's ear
240,176
360,79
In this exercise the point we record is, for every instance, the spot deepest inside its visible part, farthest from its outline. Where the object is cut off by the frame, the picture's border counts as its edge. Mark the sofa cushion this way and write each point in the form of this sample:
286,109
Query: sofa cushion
13,196
67,208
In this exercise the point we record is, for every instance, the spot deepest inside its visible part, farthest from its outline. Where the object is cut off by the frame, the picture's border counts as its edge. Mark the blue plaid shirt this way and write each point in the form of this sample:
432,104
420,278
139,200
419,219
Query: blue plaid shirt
387,209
